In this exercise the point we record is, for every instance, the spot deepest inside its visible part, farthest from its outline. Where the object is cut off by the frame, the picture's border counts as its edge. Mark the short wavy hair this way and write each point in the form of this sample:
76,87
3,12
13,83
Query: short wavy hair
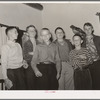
36,36
60,29
89,24
10,28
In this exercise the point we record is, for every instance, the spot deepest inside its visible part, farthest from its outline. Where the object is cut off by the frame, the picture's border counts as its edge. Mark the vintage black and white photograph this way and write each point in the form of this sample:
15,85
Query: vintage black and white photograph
50,46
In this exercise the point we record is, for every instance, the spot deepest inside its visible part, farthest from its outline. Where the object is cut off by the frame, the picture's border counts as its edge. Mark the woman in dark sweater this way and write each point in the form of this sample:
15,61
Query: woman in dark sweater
80,59
28,53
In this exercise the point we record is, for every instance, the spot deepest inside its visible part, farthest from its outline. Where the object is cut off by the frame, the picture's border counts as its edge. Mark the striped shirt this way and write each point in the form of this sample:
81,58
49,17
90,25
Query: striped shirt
80,58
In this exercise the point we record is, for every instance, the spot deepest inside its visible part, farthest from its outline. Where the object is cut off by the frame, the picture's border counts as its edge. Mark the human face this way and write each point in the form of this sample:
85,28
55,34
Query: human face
77,41
88,30
45,35
31,31
59,34
13,34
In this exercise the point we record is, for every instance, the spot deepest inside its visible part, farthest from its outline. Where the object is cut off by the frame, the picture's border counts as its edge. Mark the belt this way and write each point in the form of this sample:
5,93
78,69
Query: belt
64,61
46,62
83,68
15,68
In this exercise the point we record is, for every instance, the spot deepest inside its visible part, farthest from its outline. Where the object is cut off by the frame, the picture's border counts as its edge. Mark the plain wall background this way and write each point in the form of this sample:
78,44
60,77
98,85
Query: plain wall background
66,14
20,15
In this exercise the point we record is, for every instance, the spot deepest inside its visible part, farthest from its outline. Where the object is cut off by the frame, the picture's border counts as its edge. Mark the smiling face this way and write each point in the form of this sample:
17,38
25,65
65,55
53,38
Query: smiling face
13,34
59,34
77,41
31,31
45,35
88,30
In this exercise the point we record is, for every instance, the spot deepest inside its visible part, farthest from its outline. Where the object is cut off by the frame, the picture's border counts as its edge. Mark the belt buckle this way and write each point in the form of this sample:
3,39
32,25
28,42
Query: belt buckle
47,62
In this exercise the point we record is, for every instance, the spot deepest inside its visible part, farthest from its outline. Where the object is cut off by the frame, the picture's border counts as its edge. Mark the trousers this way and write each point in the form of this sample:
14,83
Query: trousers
82,79
48,81
95,73
17,78
66,81
30,78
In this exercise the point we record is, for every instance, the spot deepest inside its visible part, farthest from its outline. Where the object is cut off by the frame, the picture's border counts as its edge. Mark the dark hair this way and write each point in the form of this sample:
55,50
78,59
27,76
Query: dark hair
60,29
10,28
51,39
78,36
34,28
89,24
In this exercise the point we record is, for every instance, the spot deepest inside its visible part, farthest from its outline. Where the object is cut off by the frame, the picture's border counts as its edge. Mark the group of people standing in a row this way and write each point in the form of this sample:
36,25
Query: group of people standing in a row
51,65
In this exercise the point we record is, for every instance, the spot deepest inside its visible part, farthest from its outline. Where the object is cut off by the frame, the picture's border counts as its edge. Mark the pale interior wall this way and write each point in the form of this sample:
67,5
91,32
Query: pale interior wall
20,15
66,14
